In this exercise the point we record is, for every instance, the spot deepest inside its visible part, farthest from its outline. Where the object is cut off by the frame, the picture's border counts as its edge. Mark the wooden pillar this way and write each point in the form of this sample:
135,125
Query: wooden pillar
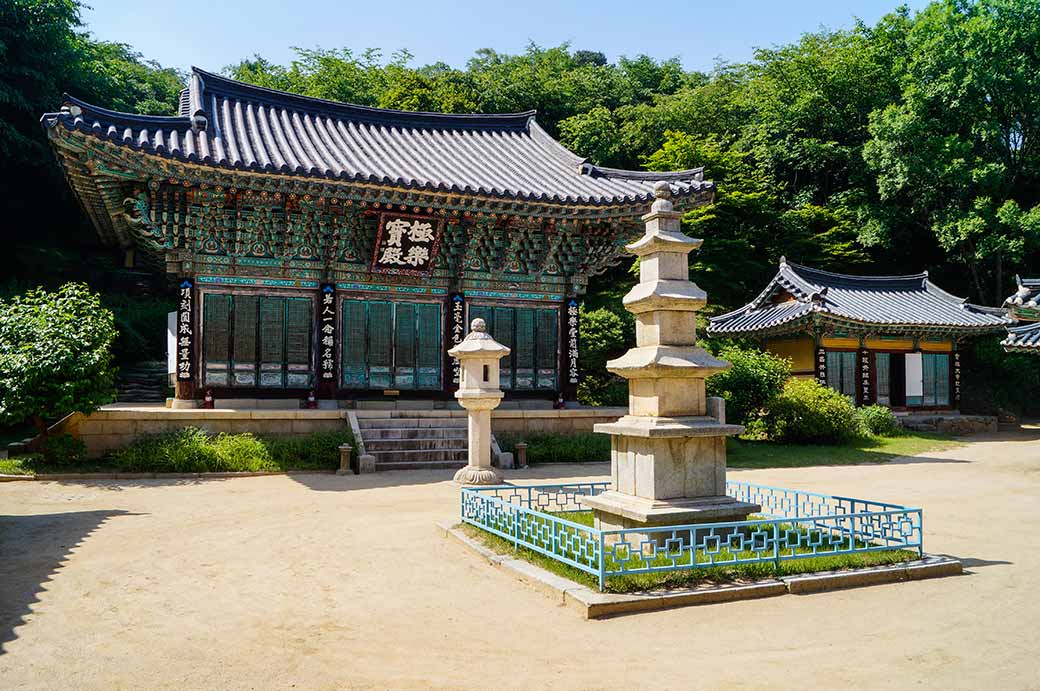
188,331
328,343
866,375
955,376
568,367
455,331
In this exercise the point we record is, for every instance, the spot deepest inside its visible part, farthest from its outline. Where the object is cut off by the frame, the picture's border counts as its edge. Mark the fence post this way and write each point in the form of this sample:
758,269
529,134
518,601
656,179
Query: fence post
776,546
602,563
920,534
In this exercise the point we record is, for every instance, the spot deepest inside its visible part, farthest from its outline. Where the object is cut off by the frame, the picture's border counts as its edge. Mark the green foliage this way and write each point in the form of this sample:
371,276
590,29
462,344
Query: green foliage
63,449
141,325
808,412
604,335
55,355
559,448
191,450
754,381
877,420
994,381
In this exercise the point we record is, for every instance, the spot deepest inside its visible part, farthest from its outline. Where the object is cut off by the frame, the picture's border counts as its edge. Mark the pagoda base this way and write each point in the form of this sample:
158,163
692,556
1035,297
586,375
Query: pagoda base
613,510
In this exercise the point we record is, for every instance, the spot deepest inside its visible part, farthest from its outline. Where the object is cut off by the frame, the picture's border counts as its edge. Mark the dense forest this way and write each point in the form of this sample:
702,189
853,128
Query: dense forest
910,144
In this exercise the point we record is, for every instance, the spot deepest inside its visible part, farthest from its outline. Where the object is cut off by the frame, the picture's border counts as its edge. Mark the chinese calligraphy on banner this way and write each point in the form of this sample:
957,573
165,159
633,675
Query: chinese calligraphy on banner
406,244
572,341
457,327
327,332
185,329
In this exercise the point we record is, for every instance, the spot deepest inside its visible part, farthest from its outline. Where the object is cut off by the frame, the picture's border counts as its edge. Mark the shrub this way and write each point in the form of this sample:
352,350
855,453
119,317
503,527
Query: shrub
751,384
877,420
559,448
55,355
191,450
63,448
808,412
604,335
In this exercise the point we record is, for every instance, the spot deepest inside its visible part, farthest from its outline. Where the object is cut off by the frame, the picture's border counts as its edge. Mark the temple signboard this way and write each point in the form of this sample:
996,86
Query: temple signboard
406,244
327,335
185,329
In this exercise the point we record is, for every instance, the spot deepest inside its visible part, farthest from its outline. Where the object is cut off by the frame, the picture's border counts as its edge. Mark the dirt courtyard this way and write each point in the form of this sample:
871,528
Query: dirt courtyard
321,582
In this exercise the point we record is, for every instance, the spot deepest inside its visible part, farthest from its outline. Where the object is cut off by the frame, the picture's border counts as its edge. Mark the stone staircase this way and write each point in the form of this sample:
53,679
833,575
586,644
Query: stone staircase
407,443
143,382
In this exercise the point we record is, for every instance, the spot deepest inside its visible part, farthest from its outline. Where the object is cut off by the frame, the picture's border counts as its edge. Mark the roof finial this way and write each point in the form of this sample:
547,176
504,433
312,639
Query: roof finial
478,325
783,260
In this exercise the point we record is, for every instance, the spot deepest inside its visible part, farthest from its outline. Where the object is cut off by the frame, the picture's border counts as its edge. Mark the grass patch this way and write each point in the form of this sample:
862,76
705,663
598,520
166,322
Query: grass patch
744,453
737,573
559,448
191,450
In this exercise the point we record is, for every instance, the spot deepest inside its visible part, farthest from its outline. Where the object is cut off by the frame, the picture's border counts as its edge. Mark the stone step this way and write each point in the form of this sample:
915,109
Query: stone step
411,423
373,445
420,465
417,433
457,455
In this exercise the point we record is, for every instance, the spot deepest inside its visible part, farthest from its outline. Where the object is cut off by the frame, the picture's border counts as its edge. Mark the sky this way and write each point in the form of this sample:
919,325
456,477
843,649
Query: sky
212,34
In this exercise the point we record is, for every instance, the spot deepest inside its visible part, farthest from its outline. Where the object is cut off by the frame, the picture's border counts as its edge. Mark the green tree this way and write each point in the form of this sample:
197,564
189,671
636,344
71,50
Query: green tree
959,150
55,355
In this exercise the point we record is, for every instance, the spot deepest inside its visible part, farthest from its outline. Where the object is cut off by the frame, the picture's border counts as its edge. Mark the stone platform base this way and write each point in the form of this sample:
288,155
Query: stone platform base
949,423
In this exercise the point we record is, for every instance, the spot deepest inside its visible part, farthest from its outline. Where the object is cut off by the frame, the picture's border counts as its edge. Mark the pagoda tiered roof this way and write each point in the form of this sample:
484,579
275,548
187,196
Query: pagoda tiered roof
799,296
231,125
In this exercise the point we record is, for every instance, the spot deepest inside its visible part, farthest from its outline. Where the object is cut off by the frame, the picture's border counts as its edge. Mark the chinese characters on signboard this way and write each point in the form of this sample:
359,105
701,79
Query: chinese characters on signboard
406,244
821,366
572,341
185,329
457,326
865,375
956,376
327,335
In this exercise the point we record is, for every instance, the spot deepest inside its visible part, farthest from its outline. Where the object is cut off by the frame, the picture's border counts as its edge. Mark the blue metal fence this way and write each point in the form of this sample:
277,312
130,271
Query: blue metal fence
793,525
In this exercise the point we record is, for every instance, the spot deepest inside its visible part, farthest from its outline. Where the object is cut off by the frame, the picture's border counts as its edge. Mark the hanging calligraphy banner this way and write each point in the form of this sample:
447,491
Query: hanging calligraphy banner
456,330
406,244
185,330
327,333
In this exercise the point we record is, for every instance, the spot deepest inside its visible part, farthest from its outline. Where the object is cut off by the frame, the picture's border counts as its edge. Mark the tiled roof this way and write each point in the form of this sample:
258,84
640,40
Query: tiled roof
797,292
1027,295
1023,338
230,124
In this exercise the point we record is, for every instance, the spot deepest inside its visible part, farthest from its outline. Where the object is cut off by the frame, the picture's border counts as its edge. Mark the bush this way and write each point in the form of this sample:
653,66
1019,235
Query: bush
191,450
55,355
877,420
62,449
559,448
604,335
808,412
751,384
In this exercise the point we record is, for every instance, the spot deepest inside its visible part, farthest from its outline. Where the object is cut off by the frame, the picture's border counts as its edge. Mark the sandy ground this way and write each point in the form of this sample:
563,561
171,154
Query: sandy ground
321,582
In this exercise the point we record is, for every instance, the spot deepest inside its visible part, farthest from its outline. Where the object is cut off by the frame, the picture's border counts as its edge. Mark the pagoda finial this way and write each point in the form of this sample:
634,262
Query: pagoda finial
478,325
663,192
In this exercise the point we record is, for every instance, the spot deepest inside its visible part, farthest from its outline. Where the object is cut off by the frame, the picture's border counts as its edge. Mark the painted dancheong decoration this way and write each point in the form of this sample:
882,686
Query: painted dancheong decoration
262,198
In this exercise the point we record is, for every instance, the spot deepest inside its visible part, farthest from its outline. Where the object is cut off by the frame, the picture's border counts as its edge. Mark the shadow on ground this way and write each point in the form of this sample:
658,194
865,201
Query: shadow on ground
32,550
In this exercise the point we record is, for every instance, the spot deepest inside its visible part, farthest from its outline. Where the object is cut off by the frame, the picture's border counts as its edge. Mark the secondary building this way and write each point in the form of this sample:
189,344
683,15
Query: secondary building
1024,306
891,340
318,245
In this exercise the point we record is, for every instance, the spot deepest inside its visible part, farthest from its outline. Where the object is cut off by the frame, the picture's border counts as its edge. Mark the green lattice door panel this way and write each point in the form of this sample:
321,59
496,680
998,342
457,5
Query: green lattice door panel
251,341
391,345
533,339
216,350
936,375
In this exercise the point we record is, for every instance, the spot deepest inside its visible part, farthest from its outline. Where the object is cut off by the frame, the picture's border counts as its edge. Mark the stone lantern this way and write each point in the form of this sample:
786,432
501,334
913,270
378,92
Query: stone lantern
479,393
668,455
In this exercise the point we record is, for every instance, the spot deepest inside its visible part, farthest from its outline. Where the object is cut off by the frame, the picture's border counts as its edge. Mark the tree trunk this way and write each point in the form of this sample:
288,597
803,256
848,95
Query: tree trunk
41,433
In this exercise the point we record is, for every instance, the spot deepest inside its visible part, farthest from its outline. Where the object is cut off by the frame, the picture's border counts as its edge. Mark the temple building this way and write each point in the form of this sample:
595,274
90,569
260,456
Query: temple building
891,340
1024,306
344,249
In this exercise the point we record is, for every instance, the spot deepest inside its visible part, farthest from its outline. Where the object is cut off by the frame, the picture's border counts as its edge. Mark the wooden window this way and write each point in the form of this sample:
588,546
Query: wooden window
841,371
533,339
250,341
391,345
883,377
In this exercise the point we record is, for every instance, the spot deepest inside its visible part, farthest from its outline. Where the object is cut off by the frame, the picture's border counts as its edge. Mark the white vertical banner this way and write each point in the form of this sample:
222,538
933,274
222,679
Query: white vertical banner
914,374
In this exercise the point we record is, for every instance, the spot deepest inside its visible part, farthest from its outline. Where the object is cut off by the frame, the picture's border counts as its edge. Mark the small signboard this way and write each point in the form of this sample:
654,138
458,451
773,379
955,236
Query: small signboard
406,244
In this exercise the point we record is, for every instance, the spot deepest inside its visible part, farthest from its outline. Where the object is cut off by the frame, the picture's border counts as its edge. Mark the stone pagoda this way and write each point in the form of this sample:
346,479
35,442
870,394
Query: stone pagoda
668,455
